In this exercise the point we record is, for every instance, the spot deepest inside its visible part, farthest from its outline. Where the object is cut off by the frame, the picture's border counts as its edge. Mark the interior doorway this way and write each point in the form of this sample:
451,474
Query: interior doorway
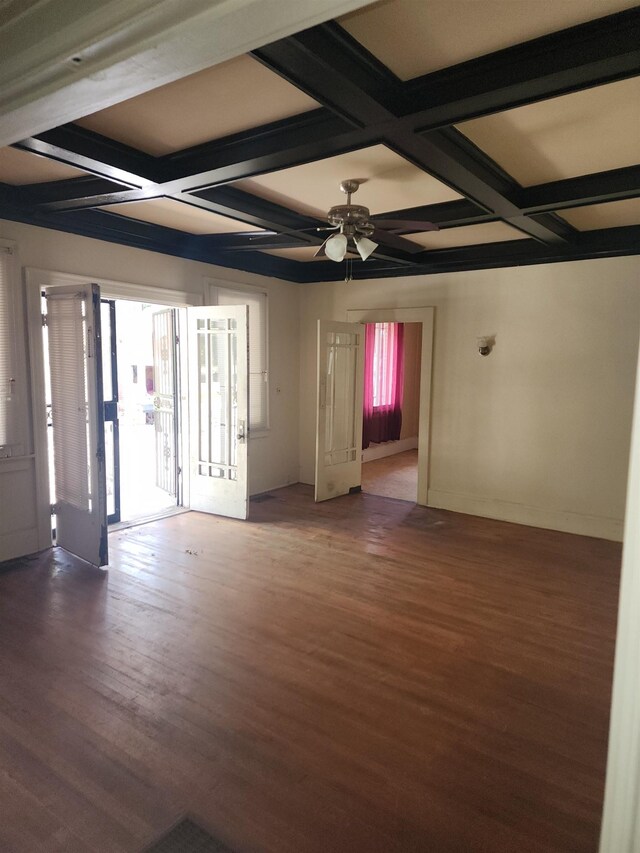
391,409
394,474
140,381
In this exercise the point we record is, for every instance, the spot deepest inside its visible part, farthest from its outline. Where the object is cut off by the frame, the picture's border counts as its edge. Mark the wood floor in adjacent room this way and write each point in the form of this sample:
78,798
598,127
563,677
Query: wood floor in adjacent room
360,676
392,476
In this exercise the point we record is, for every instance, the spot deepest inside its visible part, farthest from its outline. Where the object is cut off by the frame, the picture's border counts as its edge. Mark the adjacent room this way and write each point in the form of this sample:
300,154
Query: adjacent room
391,409
319,469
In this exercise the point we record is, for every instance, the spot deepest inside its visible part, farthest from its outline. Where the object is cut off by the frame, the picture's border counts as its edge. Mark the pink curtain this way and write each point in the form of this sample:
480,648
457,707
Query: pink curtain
383,382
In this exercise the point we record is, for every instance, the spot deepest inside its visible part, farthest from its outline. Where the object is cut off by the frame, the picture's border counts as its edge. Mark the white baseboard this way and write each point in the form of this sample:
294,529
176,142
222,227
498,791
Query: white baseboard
18,544
262,491
533,516
389,448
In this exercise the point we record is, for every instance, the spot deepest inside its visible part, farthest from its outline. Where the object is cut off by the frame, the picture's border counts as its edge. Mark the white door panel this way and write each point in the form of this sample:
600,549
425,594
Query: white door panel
219,409
339,423
73,322
164,376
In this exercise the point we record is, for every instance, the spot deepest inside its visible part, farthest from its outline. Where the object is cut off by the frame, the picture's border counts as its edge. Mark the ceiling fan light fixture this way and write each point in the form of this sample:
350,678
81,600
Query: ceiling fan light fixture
365,246
336,247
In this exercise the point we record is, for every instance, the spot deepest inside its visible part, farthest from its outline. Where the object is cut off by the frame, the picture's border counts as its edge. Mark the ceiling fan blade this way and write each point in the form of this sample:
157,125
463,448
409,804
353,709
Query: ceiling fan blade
321,253
396,242
405,225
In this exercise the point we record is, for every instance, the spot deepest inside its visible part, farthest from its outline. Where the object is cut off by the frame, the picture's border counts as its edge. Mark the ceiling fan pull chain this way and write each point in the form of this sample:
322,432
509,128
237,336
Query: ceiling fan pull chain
348,273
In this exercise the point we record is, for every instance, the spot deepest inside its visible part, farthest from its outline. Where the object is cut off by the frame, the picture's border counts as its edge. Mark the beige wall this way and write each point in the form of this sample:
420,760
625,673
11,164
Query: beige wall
273,458
538,432
411,388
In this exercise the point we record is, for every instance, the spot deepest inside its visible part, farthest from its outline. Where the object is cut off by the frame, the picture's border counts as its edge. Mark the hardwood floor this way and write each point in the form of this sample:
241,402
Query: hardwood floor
392,476
360,675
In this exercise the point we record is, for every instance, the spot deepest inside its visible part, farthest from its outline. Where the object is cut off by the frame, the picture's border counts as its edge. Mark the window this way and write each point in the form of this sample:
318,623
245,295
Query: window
385,364
383,382
9,409
258,350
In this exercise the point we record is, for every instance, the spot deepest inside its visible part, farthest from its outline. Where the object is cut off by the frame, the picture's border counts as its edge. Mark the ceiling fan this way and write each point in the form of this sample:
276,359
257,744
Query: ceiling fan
355,226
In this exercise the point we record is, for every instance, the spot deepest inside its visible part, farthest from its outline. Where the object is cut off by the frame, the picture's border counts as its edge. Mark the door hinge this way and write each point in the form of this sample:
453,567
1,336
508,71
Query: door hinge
54,509
45,319
177,339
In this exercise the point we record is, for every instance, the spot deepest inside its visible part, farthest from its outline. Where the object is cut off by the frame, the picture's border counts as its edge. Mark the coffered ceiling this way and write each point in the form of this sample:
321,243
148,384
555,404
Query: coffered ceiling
519,141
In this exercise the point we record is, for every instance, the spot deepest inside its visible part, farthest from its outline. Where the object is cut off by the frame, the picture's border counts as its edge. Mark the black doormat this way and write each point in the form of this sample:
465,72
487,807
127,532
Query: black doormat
187,837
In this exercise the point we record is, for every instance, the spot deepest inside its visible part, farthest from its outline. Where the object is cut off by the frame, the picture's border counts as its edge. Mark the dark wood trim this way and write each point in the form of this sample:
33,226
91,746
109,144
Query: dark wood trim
47,195
615,185
590,54
103,157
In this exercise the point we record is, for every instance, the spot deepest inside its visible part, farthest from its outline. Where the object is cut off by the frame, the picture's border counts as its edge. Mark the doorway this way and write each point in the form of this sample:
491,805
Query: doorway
140,382
417,461
391,413
340,395
66,349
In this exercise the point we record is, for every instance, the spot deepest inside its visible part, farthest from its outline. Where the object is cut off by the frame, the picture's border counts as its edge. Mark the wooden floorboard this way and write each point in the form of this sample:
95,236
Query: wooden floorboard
393,476
360,675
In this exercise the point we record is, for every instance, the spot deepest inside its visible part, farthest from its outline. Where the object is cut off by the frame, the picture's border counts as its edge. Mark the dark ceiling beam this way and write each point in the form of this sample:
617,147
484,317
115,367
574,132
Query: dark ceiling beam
214,170
335,70
448,155
102,199
257,241
614,185
91,152
610,242
597,188
49,194
447,214
600,51
278,145
230,201
317,60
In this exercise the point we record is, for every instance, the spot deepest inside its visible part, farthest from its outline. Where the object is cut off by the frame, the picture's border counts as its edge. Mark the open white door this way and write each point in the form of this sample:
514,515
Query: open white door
73,323
219,409
339,424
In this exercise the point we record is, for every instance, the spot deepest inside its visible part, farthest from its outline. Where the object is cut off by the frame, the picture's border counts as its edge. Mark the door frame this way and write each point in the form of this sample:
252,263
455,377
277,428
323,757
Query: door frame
35,280
424,315
114,518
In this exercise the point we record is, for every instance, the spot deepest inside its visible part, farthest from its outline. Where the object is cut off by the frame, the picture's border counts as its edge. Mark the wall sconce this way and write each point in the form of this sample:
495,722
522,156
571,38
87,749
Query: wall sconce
486,344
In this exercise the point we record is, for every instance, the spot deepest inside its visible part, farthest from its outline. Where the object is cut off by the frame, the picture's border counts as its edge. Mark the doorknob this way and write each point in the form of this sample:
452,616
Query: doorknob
242,433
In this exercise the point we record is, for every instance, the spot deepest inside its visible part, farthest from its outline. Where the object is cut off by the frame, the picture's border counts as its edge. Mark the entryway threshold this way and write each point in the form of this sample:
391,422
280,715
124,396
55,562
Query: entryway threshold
147,519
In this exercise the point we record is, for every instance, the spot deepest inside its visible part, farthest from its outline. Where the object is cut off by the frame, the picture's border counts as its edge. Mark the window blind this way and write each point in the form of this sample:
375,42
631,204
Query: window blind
9,426
258,352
